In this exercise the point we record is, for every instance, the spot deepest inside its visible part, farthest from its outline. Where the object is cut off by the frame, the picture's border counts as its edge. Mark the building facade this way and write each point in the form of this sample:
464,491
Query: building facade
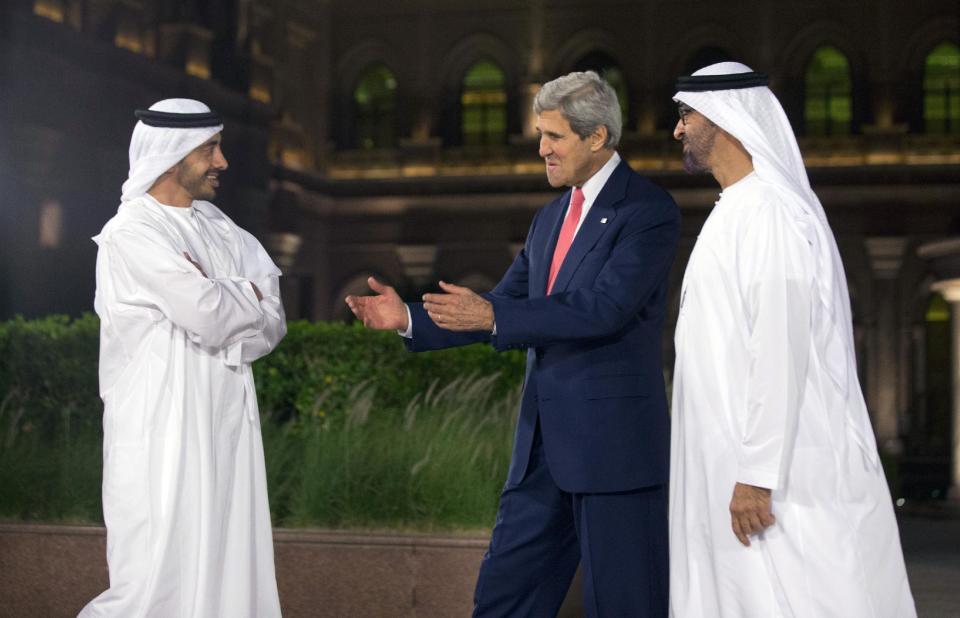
397,139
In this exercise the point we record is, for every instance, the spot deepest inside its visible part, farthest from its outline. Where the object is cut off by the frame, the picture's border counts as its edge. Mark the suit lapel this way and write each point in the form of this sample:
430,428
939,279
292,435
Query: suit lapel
555,222
596,223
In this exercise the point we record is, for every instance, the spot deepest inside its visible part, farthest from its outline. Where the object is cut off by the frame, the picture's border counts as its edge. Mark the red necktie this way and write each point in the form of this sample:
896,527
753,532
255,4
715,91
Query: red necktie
566,235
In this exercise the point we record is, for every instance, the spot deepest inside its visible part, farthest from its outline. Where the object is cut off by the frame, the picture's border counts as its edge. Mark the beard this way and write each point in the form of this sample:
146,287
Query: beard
694,164
196,184
697,149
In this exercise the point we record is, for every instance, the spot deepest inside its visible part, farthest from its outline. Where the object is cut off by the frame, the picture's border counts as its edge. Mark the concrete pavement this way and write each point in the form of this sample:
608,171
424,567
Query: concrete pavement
931,547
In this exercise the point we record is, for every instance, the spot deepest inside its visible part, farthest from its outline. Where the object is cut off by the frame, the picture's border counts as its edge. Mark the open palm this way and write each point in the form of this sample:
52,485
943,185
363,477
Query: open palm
381,311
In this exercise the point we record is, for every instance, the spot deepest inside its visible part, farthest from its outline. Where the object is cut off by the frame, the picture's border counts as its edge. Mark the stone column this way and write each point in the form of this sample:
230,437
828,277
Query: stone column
886,256
950,289
943,257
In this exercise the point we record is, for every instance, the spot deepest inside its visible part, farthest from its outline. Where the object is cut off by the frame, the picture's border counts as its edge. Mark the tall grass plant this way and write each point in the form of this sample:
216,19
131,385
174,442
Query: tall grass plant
357,432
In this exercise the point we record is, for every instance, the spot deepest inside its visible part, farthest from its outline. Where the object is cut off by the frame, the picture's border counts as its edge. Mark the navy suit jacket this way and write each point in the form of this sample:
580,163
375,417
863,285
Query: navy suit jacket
594,374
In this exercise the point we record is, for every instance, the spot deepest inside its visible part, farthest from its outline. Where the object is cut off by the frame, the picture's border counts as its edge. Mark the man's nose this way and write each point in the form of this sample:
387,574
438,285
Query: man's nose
544,147
220,161
679,130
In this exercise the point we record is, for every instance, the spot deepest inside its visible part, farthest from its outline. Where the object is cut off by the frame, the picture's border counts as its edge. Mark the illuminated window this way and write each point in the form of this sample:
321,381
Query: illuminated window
941,90
51,224
827,107
375,108
483,104
938,309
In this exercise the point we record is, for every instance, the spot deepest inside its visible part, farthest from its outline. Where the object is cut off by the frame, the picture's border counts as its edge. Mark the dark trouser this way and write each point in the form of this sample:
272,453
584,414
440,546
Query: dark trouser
542,532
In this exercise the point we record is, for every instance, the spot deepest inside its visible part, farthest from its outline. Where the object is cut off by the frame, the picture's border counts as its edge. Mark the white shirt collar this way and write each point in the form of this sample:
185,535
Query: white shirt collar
592,187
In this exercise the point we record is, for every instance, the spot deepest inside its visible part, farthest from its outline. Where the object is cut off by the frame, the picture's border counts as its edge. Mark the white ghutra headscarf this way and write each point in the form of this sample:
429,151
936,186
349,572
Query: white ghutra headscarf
754,116
163,139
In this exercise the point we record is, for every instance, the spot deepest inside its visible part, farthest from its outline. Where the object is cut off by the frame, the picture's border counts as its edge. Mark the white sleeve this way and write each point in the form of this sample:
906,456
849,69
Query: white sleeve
149,273
773,267
262,272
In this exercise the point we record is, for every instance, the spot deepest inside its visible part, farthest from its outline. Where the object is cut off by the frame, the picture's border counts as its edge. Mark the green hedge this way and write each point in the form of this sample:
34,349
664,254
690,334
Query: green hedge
357,431
318,365
48,372
48,375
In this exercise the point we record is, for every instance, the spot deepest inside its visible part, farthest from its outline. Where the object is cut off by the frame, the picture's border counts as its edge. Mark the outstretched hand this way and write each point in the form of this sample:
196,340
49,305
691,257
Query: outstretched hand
459,309
382,311
750,511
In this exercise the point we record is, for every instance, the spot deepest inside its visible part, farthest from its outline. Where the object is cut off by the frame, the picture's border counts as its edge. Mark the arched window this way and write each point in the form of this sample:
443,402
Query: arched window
609,70
483,105
375,108
941,90
827,107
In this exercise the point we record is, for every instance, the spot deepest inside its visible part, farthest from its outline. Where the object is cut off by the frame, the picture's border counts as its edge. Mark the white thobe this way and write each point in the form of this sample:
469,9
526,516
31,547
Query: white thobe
184,483
752,404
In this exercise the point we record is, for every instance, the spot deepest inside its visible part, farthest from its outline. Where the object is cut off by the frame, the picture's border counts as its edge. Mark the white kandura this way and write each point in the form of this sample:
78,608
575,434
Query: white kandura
765,393
184,483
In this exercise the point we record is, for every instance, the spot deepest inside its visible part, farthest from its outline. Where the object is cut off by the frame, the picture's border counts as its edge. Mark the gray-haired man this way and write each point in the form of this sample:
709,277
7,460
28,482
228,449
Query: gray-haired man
585,297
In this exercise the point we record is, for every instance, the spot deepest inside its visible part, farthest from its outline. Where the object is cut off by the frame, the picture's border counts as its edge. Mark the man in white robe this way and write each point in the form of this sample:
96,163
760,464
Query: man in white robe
778,502
187,301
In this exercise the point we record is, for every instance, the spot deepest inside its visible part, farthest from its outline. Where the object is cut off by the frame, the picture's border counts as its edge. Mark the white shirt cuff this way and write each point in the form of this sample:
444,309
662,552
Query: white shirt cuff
758,477
409,332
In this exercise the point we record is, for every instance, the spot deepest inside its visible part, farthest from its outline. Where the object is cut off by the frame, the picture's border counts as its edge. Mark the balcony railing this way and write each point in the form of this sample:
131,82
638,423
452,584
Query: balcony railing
645,153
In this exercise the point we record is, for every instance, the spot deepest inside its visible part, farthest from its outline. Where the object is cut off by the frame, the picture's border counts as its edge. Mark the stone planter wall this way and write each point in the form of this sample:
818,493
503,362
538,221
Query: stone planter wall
52,571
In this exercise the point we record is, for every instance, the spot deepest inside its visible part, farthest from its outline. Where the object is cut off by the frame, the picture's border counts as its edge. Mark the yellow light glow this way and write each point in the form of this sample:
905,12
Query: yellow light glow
198,64
833,160
49,9
344,174
198,69
419,170
933,159
476,170
294,158
884,158
129,40
650,163
382,172
260,92
528,168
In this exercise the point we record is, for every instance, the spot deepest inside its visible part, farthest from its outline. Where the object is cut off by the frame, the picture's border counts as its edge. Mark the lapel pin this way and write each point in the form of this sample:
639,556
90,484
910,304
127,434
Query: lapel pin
604,220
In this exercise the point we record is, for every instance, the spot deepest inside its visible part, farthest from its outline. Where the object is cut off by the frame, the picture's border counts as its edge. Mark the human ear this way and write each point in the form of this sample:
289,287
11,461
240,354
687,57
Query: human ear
598,138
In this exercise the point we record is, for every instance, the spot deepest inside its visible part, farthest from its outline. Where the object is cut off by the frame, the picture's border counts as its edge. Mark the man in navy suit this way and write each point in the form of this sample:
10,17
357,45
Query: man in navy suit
586,298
